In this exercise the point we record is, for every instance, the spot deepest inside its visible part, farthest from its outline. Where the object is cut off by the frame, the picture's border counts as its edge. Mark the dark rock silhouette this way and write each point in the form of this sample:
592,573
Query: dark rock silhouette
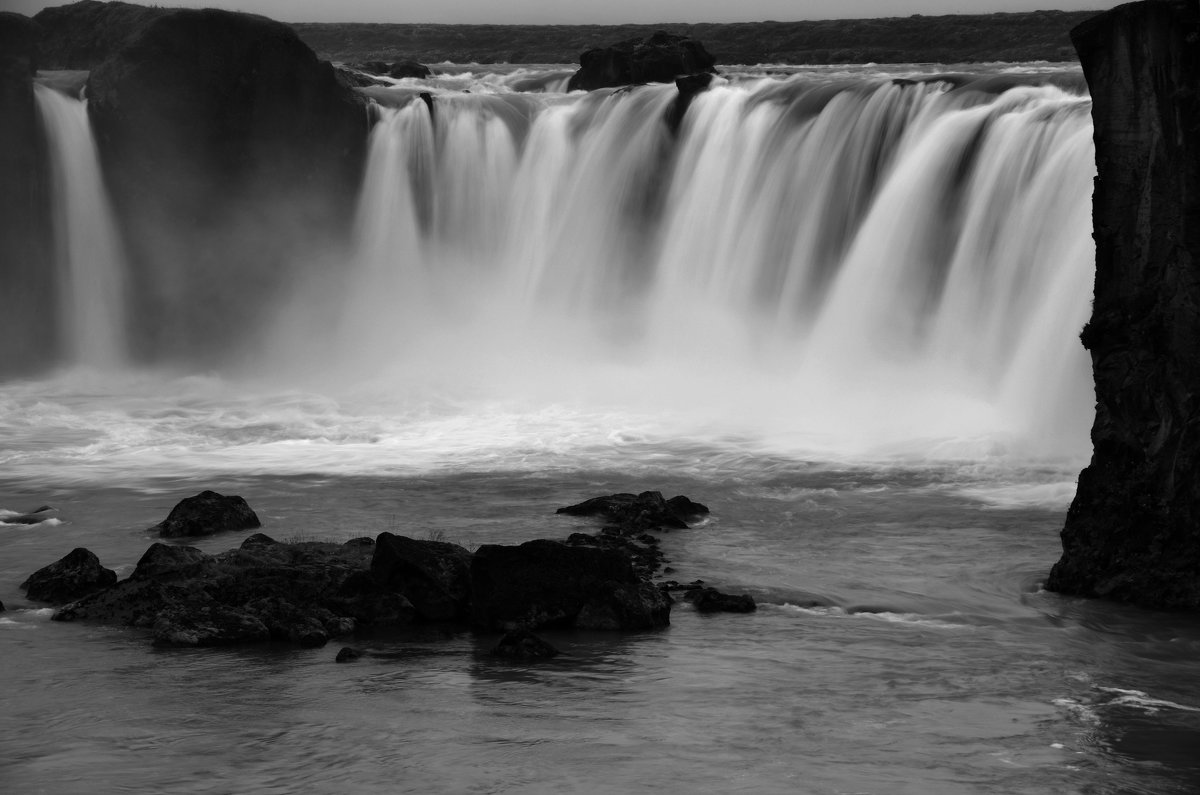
547,583
207,513
36,516
521,644
28,340
348,654
435,576
74,576
1133,530
644,511
304,593
409,69
710,600
81,35
660,58
231,153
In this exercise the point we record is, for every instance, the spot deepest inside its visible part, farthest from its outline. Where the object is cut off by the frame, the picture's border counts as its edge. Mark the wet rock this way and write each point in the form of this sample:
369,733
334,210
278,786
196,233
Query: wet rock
689,87
207,513
435,576
658,59
521,644
74,576
36,516
547,583
710,600
409,69
637,512
348,654
1132,533
303,593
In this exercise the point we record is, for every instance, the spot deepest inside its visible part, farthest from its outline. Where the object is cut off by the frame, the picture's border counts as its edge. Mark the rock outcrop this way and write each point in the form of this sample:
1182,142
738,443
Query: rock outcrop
547,583
28,321
305,593
659,58
435,576
207,513
74,576
1133,530
81,35
232,155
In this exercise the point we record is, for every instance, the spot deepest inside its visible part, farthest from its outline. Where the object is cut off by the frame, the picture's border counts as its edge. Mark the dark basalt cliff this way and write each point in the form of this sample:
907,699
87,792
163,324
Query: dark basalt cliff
1133,531
231,152
26,249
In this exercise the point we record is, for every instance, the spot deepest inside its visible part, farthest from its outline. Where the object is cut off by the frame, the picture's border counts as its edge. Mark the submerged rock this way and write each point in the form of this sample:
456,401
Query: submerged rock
74,576
1132,532
658,59
36,516
710,600
521,644
348,654
207,513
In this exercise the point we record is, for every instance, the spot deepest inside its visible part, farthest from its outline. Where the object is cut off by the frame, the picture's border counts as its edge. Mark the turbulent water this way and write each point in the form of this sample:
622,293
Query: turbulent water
838,307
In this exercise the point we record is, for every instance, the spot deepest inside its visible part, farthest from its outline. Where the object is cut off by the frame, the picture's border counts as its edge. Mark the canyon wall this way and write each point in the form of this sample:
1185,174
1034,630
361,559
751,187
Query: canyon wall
1132,533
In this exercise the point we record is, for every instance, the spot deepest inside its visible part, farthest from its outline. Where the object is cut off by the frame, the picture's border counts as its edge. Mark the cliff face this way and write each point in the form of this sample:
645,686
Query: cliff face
1133,531
27,322
231,154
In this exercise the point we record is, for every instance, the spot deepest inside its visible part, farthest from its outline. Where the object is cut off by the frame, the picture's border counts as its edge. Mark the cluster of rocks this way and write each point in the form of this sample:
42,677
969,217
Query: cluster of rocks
309,592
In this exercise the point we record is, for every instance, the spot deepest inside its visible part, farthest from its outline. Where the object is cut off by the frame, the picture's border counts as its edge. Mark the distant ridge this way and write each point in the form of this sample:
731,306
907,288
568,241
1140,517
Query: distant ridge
962,38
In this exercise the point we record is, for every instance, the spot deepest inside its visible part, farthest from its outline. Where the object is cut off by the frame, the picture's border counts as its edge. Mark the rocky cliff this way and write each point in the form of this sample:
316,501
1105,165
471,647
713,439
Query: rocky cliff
27,324
231,152
1133,531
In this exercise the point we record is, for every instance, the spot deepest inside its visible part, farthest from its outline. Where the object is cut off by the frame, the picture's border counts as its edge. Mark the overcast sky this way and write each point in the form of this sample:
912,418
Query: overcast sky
604,11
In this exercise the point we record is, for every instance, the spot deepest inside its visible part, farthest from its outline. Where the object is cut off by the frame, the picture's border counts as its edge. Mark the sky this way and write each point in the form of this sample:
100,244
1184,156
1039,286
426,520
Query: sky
605,12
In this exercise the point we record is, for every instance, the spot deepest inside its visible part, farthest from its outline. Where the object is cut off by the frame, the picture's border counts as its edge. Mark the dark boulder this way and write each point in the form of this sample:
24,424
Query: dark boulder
36,516
1132,533
435,576
303,593
688,87
409,69
658,59
74,576
547,583
231,154
348,654
639,512
710,600
28,324
207,513
521,644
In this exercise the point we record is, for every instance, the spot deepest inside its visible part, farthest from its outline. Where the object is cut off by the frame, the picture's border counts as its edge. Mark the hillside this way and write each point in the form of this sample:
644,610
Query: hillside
1033,36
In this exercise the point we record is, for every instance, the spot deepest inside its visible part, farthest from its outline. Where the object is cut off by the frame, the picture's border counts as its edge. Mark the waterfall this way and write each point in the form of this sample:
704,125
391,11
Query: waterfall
834,265
91,265
880,259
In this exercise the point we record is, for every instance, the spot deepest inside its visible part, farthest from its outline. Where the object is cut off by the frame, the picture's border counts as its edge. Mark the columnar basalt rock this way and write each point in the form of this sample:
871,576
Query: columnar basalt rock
1133,531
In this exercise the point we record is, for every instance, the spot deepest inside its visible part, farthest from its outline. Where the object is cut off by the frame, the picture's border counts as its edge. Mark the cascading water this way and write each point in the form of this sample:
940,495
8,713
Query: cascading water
868,263
840,268
90,261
